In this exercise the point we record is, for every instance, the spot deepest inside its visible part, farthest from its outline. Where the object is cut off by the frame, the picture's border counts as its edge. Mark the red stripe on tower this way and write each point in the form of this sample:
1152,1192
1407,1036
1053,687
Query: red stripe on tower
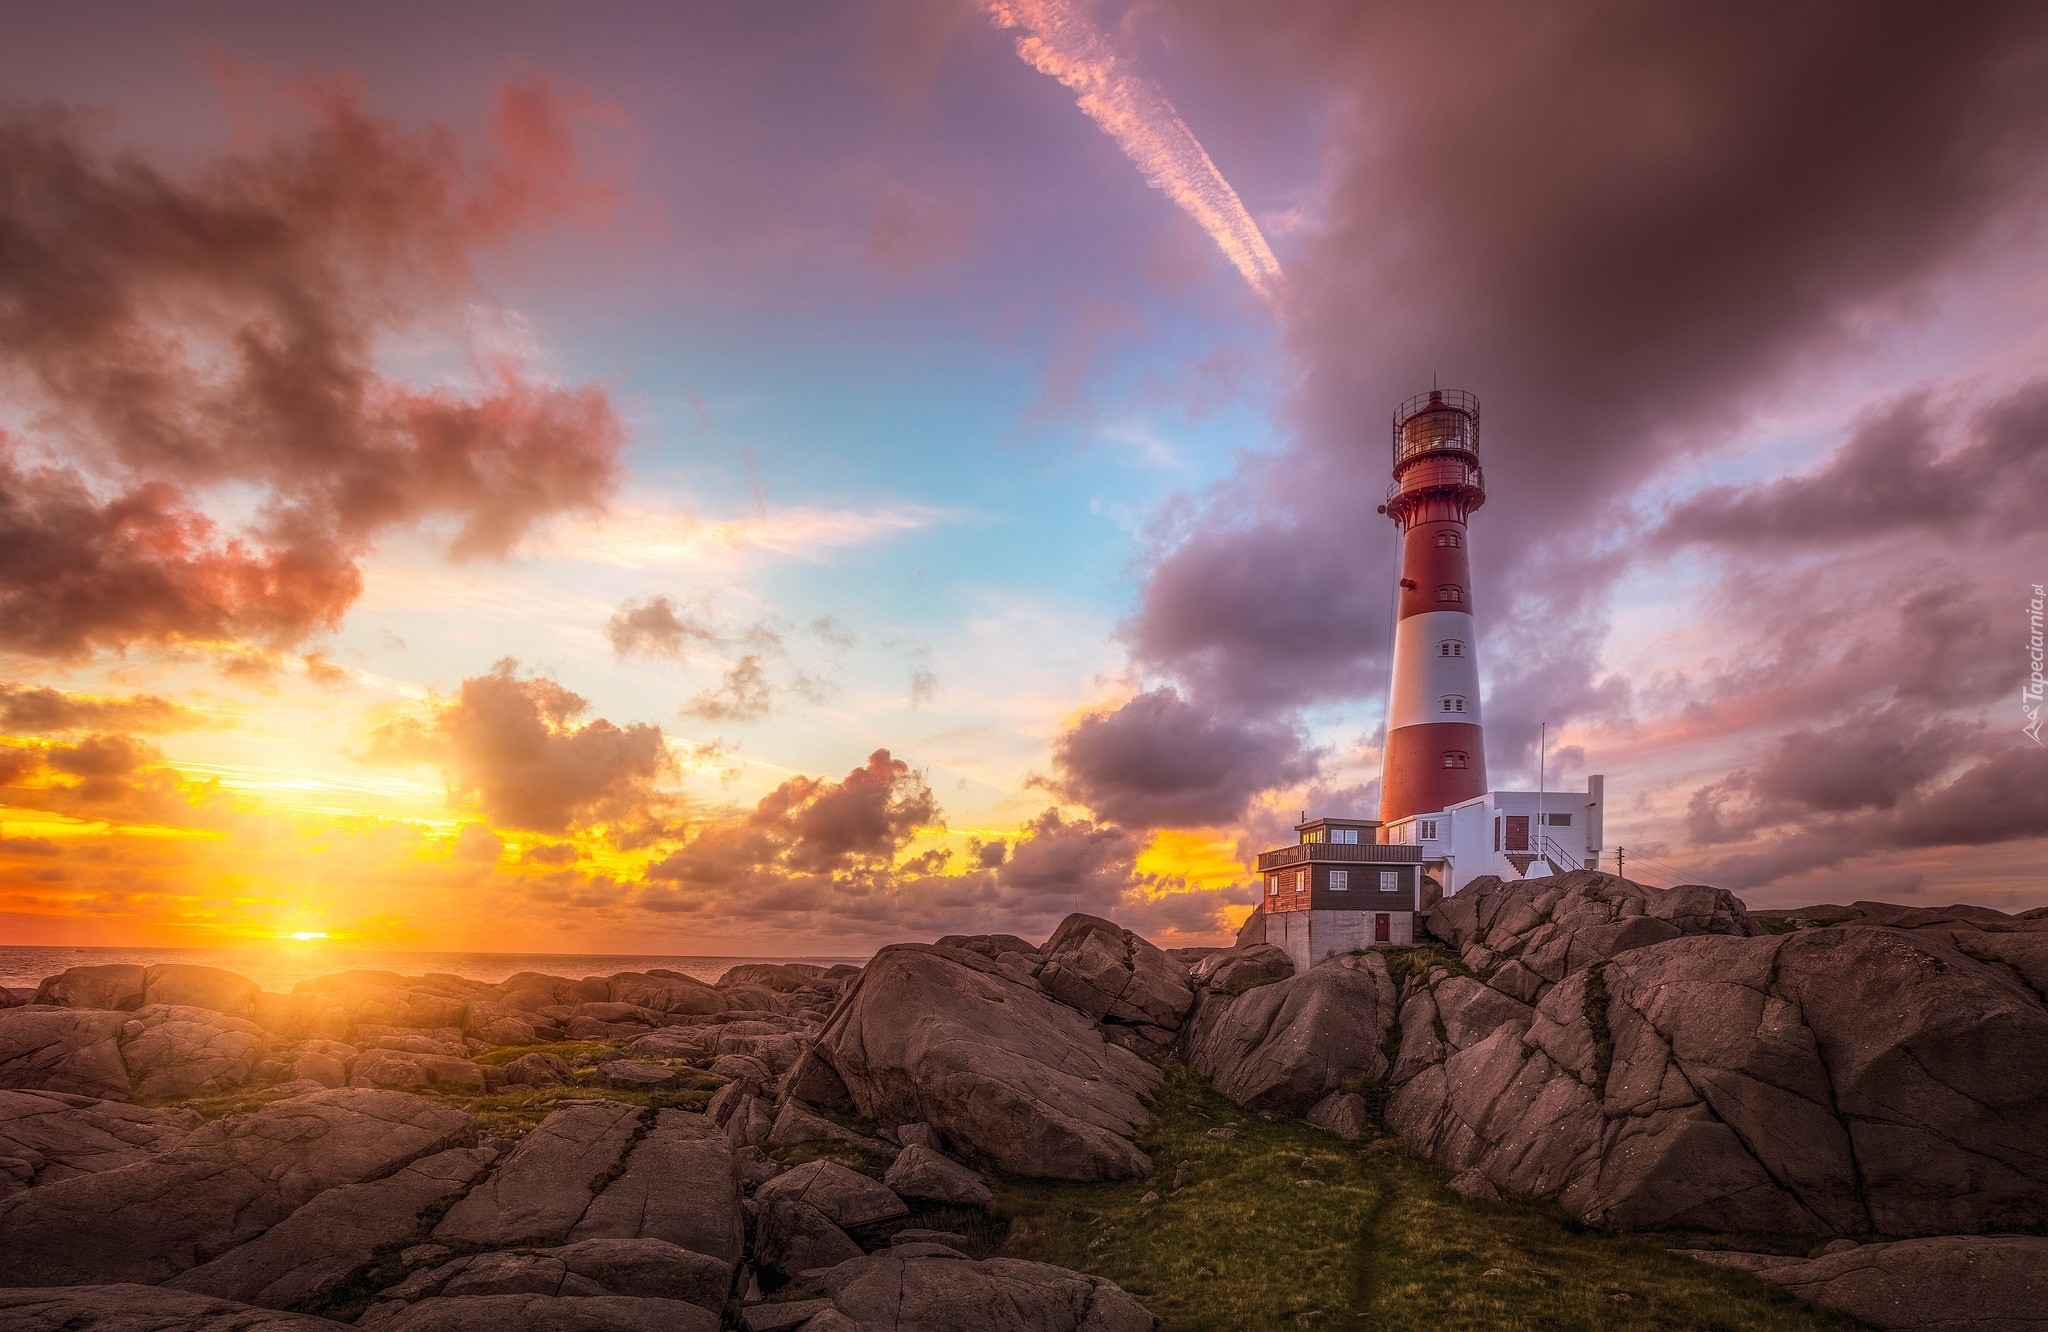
1436,752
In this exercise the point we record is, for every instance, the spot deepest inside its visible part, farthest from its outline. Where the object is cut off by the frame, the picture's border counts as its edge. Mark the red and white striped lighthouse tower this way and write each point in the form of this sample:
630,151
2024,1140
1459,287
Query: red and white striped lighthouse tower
1436,752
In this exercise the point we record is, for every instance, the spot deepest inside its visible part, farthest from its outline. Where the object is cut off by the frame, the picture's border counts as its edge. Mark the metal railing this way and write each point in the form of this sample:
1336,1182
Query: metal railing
1441,420
1365,853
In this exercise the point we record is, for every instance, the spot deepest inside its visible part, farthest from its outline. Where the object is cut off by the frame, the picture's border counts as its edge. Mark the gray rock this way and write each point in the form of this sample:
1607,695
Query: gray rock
117,985
633,1075
680,1184
750,1122
539,1069
638,1268
927,1288
922,1173
174,1050
670,992
544,1313
405,1071
1535,932
543,1188
226,1183
1848,1079
63,1050
49,1137
797,1122
1110,974
1343,1113
305,1255
124,1307
791,1237
946,1037
1241,968
1285,1046
189,986
919,1135
1951,1283
844,1197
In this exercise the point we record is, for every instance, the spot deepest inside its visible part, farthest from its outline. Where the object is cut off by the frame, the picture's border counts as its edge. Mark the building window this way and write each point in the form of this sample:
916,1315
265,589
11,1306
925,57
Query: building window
1557,820
1272,885
1456,758
1312,835
1450,647
1454,703
1450,592
1428,827
1340,881
1390,881
1301,881
1496,832
1449,538
1344,836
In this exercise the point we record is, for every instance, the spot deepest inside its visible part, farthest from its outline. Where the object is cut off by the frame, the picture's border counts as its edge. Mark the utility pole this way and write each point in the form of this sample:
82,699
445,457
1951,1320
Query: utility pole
1542,753
1618,863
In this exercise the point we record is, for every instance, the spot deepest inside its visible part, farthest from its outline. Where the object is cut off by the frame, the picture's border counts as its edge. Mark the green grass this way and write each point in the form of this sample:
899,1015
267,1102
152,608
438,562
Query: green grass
1374,1240
1419,961
565,1050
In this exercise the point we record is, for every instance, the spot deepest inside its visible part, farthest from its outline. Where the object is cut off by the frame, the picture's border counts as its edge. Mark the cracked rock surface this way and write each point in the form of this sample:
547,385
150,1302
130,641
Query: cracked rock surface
1287,1045
1954,1283
932,1288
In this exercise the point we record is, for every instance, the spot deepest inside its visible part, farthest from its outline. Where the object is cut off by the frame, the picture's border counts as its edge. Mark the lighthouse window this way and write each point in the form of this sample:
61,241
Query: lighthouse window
1428,830
1449,539
1450,592
1453,703
1340,881
1450,647
1455,758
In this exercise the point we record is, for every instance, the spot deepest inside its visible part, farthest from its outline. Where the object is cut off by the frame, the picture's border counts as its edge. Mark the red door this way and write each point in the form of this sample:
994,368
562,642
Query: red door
1518,833
1382,927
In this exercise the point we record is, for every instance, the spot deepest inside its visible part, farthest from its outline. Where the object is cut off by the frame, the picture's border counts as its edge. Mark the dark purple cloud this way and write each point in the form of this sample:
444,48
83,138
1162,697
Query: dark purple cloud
657,627
40,710
1159,760
516,748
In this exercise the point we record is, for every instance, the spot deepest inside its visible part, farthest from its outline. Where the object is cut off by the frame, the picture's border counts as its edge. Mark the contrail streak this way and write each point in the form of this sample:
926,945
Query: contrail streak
1060,40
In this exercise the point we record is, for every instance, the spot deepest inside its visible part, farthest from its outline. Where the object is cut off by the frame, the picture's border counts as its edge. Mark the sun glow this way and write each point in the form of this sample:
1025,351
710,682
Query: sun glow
303,935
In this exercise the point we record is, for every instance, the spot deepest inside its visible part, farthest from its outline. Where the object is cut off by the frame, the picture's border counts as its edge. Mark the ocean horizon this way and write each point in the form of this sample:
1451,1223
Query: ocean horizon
282,966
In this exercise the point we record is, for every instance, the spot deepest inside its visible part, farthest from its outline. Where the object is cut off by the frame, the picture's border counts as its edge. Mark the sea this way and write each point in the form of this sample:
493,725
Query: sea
280,967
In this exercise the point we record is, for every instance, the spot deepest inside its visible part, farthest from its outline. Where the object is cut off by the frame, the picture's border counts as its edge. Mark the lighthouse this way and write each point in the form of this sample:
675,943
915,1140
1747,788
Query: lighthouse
1435,754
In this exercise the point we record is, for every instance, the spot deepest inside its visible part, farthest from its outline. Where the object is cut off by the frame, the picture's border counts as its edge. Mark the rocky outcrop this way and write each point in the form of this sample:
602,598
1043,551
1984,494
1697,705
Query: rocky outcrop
63,1050
544,1313
1977,1283
1285,1046
640,1269
921,1173
408,1071
220,1187
135,1308
1112,976
186,986
176,1050
1241,968
949,1038
932,1288
1956,917
49,1137
1526,936
1848,1080
303,1257
545,1186
115,986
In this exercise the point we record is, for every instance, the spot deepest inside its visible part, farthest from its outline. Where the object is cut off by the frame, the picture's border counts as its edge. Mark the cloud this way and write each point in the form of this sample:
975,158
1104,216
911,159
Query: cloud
744,694
1159,760
515,749
914,230
1892,475
41,710
175,336
656,628
108,777
1060,40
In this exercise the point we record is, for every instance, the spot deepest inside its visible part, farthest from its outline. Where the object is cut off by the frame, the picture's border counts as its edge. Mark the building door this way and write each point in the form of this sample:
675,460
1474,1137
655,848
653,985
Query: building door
1518,833
1382,927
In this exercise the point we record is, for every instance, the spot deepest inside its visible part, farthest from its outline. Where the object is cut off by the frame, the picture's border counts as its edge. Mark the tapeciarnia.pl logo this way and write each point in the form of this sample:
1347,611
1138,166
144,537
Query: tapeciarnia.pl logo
2030,697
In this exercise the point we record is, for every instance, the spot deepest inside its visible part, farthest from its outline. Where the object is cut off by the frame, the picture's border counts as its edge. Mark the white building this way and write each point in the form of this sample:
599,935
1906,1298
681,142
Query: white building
1509,834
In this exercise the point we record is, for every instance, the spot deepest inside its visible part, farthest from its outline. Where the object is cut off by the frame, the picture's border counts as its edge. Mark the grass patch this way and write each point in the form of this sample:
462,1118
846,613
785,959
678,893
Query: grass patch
565,1050
1241,987
1373,1240
1775,924
513,1114
1416,963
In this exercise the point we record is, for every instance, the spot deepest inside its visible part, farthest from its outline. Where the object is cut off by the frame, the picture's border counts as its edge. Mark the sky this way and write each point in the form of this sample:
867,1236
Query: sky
759,479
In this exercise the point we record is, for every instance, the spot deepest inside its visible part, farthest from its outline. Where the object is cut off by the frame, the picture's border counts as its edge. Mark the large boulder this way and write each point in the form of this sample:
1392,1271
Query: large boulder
115,985
646,1269
190,986
1849,1080
63,1050
226,1183
931,1288
949,1038
1954,1283
49,1137
303,1257
846,1197
175,1050
1283,1047
1111,975
667,992
1242,968
545,1313
125,1307
919,1172
1528,935
679,1184
540,1191
406,1071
